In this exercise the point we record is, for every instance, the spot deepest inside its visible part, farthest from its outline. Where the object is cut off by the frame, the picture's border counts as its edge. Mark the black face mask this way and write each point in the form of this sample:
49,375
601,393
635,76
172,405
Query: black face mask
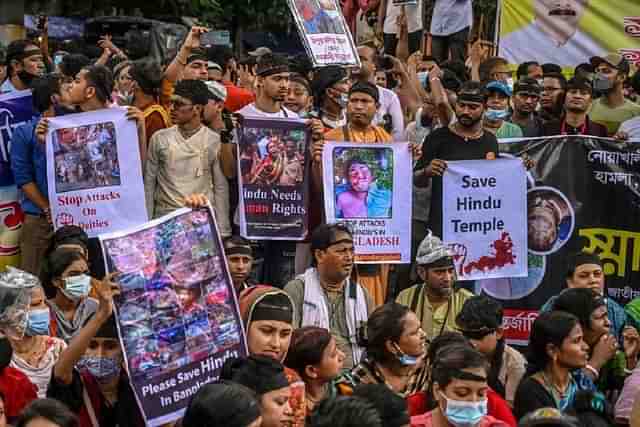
26,78
6,352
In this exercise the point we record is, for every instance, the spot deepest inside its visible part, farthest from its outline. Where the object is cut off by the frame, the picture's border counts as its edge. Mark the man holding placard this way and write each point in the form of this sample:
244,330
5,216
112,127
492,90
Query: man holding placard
463,140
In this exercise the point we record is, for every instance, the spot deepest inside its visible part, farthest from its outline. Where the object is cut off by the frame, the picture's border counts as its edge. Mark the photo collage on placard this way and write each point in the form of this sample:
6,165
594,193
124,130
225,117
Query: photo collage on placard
175,307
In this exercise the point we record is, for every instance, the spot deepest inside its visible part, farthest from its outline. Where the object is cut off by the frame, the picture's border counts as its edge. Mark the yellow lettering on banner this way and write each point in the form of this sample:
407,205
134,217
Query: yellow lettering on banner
605,240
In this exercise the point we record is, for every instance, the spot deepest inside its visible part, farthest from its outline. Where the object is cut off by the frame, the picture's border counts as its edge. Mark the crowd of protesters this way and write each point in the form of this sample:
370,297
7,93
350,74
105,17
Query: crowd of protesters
369,345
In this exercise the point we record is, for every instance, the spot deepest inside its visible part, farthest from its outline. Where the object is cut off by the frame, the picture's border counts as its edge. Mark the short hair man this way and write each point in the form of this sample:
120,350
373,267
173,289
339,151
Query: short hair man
172,171
612,108
586,271
326,296
463,140
526,95
146,80
435,301
30,173
24,63
239,261
554,86
575,119
389,103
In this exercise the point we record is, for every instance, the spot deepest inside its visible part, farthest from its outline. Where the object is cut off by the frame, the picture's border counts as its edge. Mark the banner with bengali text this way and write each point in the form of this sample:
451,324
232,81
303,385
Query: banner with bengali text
583,194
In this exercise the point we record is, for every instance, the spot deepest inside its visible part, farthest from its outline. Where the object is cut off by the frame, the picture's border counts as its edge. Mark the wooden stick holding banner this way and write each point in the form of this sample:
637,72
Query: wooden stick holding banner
366,189
177,315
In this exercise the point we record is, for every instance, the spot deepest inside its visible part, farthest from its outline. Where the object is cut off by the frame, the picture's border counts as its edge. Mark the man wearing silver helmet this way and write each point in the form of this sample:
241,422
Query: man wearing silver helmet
436,302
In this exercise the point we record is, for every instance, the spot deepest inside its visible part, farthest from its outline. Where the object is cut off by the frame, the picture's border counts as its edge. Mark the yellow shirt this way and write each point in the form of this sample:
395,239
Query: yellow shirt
434,319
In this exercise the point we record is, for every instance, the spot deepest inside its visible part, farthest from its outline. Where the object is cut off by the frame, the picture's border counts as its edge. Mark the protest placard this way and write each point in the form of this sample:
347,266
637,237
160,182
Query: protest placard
16,109
324,32
272,163
365,188
177,314
94,172
484,209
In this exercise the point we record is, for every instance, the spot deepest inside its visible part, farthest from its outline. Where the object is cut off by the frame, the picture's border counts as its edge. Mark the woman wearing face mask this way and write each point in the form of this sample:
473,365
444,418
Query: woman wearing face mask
459,385
330,88
556,348
395,349
36,353
267,379
66,274
89,378
608,367
313,354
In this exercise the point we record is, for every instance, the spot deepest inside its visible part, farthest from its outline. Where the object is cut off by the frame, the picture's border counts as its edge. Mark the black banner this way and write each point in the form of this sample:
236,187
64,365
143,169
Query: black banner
583,194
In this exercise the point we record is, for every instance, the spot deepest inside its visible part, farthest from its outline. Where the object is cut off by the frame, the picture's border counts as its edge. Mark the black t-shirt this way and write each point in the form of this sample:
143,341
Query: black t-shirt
445,145
531,395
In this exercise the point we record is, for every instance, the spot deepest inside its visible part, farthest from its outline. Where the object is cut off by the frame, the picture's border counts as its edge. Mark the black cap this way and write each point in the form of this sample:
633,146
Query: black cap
527,85
579,83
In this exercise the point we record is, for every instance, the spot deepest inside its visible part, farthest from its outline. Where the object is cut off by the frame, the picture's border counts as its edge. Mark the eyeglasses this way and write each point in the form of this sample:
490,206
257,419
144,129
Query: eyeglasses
176,103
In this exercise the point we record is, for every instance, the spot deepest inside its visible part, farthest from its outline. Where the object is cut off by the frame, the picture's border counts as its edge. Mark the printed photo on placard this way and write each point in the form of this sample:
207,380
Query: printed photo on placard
272,156
363,182
324,32
86,157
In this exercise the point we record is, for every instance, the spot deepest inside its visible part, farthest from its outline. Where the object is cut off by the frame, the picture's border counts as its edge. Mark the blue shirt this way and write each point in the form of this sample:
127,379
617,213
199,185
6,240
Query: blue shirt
28,163
615,312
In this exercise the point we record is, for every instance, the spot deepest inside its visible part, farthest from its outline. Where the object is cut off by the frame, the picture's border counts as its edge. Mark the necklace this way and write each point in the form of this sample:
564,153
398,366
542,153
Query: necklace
454,128
186,134
562,394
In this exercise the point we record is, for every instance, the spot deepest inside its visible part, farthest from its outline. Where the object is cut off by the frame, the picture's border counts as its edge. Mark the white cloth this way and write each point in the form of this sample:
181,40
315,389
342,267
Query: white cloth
531,43
390,104
451,16
632,128
7,87
251,111
414,17
315,311
40,375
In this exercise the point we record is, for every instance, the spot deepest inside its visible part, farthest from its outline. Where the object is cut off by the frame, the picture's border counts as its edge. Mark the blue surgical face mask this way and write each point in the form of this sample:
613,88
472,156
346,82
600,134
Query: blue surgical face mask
492,114
405,359
38,322
423,76
460,413
103,369
77,287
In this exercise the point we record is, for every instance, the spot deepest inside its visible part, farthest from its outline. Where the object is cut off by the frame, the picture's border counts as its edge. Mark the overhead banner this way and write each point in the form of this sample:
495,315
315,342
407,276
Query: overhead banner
177,314
272,165
16,109
582,195
484,209
94,172
366,188
324,32
568,33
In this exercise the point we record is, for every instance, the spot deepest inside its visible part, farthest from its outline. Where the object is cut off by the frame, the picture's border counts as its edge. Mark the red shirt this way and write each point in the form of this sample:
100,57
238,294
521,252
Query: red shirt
18,391
237,97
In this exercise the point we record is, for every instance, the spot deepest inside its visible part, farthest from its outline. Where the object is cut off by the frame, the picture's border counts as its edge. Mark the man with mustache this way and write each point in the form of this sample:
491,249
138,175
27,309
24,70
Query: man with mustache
526,96
464,139
24,63
553,36
435,301
326,296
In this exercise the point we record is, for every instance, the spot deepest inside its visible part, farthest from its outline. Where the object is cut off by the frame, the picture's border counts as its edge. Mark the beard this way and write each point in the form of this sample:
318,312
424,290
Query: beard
468,121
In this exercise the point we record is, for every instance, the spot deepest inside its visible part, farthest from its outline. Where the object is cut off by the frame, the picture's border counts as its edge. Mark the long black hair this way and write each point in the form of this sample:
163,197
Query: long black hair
549,328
